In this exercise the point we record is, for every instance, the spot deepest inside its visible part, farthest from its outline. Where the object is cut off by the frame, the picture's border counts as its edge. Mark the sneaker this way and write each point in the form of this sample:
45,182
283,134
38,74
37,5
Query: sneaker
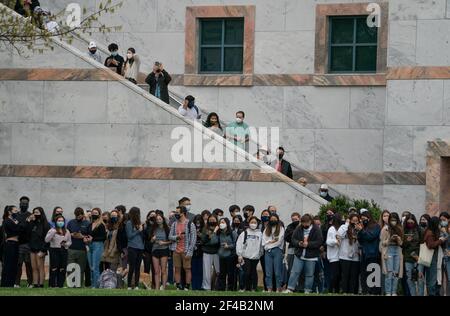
16,286
241,291
394,294
129,288
161,288
136,288
288,291
30,286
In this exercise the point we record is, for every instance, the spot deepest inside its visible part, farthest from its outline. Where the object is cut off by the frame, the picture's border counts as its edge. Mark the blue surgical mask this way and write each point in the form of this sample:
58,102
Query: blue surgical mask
60,224
323,193
444,223
114,54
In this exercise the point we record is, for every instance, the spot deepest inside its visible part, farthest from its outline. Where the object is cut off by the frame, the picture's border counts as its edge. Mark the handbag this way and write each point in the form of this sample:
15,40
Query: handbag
425,255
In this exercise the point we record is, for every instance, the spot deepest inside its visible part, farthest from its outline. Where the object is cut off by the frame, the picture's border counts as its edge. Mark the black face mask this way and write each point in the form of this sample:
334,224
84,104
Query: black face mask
295,223
330,217
24,207
273,223
95,217
92,51
37,217
246,215
280,156
79,220
236,224
212,224
177,216
365,222
423,225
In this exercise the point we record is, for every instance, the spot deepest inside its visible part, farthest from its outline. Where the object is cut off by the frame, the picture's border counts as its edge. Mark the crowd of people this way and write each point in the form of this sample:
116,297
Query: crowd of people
217,251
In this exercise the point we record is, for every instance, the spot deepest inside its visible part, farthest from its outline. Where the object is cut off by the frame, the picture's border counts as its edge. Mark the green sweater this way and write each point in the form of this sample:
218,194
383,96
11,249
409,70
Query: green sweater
412,247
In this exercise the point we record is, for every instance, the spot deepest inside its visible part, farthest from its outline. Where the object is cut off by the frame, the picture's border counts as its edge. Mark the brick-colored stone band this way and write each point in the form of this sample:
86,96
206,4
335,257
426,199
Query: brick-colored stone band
206,174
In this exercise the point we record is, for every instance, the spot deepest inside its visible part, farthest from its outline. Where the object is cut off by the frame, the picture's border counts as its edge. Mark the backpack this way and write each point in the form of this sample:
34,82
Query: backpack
108,280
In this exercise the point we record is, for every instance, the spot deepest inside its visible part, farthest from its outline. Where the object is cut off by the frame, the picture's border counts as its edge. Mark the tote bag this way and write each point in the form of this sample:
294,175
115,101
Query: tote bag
425,255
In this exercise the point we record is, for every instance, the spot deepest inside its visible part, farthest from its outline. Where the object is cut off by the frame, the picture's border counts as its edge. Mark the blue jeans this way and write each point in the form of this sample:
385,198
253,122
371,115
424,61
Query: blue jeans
319,279
94,258
409,267
273,261
431,276
393,269
197,273
297,268
421,281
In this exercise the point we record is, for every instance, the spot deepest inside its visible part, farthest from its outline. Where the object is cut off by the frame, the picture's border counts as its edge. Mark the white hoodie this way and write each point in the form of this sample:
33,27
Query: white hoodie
252,249
347,251
279,243
332,245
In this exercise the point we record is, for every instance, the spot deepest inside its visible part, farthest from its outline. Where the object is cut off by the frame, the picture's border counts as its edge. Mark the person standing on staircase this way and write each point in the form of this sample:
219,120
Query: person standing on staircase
282,165
159,80
132,65
93,53
114,61
189,109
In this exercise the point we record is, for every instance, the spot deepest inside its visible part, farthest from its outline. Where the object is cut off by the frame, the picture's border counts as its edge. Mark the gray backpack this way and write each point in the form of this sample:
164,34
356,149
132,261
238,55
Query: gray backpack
108,280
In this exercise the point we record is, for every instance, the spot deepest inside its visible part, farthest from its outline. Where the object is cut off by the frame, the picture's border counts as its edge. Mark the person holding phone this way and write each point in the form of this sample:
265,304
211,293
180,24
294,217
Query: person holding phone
210,246
159,237
227,255
135,234
12,229
159,80
411,246
273,243
391,241
183,236
39,228
60,240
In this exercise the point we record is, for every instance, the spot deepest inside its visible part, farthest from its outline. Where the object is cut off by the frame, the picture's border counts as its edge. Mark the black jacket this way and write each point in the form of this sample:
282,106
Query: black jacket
164,79
315,240
25,233
288,233
119,59
19,8
38,232
286,168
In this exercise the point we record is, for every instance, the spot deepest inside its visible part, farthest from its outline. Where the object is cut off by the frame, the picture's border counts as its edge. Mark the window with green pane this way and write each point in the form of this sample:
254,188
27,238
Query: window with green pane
353,45
221,45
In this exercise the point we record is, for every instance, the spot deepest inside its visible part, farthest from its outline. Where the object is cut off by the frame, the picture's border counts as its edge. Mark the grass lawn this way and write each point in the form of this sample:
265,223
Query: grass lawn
124,292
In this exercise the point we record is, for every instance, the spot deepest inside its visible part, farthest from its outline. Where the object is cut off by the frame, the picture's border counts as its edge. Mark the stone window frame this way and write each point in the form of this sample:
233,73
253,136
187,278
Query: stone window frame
436,150
321,53
191,66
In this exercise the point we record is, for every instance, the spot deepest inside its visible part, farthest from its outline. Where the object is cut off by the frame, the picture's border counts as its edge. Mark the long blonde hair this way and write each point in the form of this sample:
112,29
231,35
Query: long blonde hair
99,220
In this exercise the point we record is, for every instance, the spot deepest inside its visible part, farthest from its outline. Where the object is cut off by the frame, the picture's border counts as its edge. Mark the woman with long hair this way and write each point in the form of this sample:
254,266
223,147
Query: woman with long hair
11,228
227,242
39,228
148,279
273,243
391,240
384,218
159,237
134,229
349,263
411,246
333,244
265,216
96,239
433,240
60,240
213,123
369,239
111,253
210,242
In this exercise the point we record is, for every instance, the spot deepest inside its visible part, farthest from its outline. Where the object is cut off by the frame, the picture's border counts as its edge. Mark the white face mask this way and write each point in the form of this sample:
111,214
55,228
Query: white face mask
239,120
323,193
188,208
253,226
222,226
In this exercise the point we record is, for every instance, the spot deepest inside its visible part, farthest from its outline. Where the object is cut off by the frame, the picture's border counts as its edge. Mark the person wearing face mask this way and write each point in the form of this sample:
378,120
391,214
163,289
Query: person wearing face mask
24,247
391,241
158,81
333,243
219,213
368,238
273,243
326,264
265,215
281,165
159,237
197,257
60,240
249,211
213,123
323,191
234,210
290,252
39,227
131,66
238,131
78,228
189,109
186,202
12,229
96,237
307,239
210,247
114,61
236,228
227,255
111,253
411,246
149,276
249,250
349,264
94,53
205,215
236,224
183,235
